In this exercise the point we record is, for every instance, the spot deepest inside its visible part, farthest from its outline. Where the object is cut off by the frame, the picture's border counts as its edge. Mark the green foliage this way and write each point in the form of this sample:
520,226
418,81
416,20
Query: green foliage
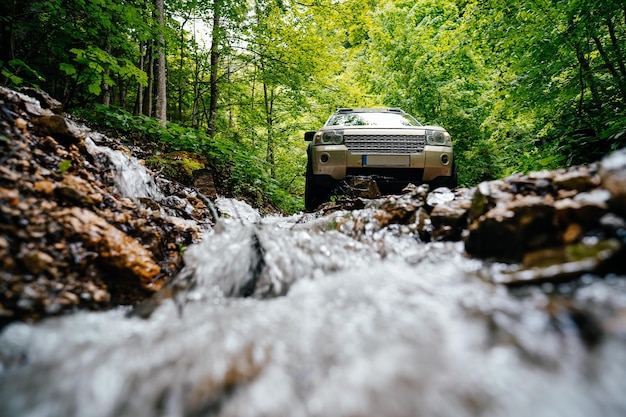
94,67
240,169
10,70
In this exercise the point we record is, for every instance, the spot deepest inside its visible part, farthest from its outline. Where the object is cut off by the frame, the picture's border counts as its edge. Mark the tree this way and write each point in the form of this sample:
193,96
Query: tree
564,61
161,81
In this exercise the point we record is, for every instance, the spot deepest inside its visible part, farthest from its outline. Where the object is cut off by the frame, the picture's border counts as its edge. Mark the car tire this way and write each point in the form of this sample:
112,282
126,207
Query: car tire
314,195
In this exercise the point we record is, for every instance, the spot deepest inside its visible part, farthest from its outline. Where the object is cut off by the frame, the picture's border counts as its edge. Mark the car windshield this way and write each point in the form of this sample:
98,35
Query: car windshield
382,119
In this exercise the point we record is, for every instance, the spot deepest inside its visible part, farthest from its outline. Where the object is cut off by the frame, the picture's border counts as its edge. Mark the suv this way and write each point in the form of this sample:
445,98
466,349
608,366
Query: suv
386,144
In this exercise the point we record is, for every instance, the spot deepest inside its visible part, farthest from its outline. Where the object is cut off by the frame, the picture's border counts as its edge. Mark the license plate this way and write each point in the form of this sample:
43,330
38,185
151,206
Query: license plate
385,160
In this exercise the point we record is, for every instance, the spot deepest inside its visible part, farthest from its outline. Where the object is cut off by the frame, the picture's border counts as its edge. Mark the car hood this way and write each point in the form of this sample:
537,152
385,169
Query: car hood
361,130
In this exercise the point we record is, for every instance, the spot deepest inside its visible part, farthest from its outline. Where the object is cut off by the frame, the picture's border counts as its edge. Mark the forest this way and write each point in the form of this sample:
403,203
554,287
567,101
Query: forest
521,86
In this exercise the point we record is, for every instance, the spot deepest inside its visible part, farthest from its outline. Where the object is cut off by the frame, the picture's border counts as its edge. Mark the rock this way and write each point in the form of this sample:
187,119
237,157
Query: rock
74,196
363,187
203,181
439,196
178,165
486,195
584,210
397,210
57,127
115,249
67,239
44,99
424,224
509,230
563,263
579,180
450,220
37,262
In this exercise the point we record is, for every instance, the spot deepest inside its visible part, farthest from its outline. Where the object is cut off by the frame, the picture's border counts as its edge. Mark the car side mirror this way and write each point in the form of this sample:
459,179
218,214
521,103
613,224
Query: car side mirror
308,136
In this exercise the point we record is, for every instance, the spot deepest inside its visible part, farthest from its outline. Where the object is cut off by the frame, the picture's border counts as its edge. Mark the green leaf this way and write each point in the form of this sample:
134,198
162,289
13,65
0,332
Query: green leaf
64,166
69,69
94,88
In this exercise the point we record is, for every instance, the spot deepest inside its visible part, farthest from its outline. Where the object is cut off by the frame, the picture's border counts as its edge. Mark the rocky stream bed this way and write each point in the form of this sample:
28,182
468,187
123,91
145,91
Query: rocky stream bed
125,293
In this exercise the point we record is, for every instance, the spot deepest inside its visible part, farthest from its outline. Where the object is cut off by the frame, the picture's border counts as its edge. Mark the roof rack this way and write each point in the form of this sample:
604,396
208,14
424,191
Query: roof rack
369,110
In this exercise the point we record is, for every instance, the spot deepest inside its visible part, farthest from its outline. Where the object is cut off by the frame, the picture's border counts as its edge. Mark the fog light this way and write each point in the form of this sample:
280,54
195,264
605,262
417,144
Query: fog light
445,159
324,158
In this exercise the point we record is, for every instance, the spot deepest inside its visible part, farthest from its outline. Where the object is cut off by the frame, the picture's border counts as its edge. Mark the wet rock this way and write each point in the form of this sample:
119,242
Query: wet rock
508,231
178,165
73,195
57,127
398,210
546,210
613,174
116,249
37,262
582,212
579,180
363,187
450,220
418,192
44,99
486,195
563,264
68,240
439,197
203,181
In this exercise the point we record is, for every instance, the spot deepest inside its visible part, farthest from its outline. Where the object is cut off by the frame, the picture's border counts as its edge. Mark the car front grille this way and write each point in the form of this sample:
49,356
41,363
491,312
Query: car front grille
385,144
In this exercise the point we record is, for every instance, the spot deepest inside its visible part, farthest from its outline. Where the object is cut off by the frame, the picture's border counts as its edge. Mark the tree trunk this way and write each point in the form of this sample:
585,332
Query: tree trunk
161,93
148,97
269,120
181,65
139,102
616,47
215,58
609,66
106,88
586,75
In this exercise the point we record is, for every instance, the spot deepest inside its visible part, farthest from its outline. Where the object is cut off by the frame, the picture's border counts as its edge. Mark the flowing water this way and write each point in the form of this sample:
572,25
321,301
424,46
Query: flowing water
327,316
131,178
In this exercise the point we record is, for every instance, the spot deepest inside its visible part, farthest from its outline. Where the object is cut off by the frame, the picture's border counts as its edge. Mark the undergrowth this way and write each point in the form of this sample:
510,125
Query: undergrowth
239,171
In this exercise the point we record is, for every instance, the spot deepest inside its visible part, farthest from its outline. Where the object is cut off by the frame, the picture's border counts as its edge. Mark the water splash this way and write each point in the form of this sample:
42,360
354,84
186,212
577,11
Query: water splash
132,180
236,209
393,328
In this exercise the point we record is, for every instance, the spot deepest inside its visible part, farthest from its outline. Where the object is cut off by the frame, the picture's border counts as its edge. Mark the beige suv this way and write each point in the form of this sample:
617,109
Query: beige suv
385,144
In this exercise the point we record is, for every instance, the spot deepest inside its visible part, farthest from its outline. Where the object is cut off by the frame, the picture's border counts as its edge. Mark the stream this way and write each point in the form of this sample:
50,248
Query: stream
312,315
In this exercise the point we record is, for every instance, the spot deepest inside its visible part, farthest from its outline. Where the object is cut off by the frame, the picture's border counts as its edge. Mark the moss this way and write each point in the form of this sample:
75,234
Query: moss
178,166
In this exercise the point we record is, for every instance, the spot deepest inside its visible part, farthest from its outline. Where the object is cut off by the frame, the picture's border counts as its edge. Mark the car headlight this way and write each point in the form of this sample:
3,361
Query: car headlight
438,138
334,137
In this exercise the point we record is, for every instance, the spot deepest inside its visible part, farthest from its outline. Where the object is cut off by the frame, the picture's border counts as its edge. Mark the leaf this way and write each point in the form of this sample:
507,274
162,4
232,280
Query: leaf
64,166
94,88
14,79
69,69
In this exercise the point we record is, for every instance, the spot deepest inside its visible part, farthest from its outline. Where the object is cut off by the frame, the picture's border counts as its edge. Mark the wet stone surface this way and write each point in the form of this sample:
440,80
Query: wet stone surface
73,235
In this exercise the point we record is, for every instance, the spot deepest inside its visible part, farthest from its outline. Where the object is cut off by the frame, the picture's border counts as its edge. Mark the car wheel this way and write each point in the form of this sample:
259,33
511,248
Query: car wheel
314,195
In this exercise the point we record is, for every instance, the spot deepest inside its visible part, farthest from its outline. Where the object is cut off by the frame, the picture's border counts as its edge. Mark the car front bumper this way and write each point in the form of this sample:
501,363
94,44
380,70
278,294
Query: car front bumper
336,161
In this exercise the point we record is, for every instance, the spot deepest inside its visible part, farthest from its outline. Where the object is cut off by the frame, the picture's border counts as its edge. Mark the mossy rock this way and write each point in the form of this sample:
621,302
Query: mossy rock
178,165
